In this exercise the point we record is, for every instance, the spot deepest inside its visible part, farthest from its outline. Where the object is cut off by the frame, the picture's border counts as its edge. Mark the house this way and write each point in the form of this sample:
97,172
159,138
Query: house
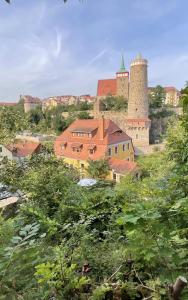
96,139
172,96
19,150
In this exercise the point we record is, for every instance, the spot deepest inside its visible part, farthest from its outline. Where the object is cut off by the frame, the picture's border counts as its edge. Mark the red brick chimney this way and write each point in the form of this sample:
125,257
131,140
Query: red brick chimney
101,128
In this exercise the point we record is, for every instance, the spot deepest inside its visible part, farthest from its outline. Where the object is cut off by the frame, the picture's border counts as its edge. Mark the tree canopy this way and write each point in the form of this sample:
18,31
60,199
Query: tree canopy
127,241
157,97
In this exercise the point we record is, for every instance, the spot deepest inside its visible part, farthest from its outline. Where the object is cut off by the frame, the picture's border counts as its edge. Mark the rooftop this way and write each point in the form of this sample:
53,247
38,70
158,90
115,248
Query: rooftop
23,148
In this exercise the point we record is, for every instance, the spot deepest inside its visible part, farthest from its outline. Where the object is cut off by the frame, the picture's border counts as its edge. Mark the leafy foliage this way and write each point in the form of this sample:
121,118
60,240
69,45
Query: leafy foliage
127,241
116,103
98,169
157,97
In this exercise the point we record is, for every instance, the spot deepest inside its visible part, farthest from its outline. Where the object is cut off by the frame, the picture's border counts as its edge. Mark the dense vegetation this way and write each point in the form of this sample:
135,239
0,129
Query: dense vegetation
13,119
115,103
68,242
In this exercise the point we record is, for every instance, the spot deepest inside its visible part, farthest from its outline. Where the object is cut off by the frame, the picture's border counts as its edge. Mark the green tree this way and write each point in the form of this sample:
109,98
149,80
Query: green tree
84,115
157,97
98,169
116,103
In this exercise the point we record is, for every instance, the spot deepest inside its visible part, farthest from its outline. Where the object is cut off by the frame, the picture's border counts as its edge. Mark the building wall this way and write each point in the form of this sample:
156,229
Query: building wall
122,81
172,97
81,166
127,154
4,152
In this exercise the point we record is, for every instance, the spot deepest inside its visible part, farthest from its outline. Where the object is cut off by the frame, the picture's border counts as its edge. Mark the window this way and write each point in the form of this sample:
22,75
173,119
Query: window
116,149
76,149
91,151
128,159
114,176
128,146
109,151
136,136
82,166
123,147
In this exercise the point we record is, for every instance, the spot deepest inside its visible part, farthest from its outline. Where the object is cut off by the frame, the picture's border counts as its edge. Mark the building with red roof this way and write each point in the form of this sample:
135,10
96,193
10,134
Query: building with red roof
118,86
96,139
19,150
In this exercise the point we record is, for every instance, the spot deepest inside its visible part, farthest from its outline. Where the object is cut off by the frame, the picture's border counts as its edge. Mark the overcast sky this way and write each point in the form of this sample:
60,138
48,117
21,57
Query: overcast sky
51,48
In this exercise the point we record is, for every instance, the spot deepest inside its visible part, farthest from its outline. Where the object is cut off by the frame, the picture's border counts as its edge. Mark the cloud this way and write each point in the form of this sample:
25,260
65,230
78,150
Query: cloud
48,48
97,57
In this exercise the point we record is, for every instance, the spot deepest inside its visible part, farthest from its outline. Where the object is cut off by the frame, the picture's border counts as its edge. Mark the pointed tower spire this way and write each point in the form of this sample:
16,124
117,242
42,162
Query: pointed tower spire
139,56
122,68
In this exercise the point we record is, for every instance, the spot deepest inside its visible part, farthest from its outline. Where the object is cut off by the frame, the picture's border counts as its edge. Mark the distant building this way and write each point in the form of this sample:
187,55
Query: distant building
172,96
8,104
19,150
30,102
96,139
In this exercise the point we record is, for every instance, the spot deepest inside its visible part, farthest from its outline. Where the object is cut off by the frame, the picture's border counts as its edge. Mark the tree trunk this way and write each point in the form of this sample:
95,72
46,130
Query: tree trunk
178,287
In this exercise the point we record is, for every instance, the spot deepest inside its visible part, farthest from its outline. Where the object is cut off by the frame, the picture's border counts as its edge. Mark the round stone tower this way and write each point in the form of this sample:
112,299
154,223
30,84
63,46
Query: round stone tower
138,90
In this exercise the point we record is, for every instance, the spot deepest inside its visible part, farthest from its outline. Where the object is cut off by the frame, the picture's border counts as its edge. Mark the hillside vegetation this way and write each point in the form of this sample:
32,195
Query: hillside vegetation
127,241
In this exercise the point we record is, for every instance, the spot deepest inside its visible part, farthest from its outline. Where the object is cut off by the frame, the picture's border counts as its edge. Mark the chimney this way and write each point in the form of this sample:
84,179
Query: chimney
101,128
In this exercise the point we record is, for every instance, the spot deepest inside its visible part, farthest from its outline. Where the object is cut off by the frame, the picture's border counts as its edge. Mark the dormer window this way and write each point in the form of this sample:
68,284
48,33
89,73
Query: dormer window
76,147
83,132
92,149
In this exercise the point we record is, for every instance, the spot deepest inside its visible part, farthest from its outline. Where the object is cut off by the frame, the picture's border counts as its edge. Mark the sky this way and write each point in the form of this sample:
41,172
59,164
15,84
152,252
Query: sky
50,48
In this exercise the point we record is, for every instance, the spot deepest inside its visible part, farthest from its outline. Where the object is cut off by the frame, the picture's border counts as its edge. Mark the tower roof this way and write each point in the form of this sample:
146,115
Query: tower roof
139,56
122,68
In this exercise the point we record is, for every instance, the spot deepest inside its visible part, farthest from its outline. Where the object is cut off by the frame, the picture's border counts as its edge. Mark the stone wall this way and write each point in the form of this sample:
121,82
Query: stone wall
138,90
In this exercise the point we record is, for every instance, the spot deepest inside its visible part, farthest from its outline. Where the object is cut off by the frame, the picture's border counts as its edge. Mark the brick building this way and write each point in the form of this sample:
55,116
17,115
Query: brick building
96,139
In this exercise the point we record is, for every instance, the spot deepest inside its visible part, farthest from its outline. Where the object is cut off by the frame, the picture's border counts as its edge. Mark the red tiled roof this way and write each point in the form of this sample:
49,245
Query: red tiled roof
122,166
170,88
112,135
106,87
8,103
23,149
